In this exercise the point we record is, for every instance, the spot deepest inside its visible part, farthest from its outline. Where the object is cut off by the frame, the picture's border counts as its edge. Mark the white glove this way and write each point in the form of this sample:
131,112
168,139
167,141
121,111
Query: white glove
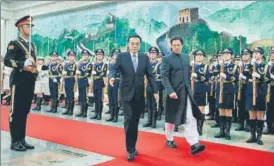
255,74
93,72
272,76
223,75
241,76
54,80
78,72
64,73
28,62
89,81
194,75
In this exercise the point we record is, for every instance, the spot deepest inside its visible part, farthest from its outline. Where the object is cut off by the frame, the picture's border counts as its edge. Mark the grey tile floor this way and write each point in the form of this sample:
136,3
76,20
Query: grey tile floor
48,153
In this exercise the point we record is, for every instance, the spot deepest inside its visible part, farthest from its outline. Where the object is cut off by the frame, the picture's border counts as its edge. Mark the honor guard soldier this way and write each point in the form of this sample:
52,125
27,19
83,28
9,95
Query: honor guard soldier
69,81
270,95
245,68
161,89
225,92
211,96
21,56
256,96
98,74
55,72
42,83
237,61
113,90
83,72
215,73
199,78
151,102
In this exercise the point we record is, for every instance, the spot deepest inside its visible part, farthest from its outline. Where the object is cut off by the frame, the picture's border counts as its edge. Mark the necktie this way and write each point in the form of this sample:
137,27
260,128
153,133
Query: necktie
134,61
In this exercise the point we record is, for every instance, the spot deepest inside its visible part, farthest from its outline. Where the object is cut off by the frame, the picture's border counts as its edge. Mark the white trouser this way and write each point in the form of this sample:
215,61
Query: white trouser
190,127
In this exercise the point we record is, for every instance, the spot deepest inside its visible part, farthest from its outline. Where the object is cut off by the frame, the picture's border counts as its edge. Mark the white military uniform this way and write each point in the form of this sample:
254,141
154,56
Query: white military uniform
42,83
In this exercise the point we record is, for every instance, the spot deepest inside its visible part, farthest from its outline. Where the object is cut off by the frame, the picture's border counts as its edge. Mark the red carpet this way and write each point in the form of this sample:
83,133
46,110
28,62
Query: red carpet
109,141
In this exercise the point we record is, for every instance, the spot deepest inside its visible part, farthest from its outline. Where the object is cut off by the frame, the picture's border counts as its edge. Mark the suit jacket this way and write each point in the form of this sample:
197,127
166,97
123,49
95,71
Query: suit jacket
130,82
15,58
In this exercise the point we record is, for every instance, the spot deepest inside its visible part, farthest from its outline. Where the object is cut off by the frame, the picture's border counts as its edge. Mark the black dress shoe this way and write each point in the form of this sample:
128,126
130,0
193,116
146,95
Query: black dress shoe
171,144
130,156
26,145
197,148
17,146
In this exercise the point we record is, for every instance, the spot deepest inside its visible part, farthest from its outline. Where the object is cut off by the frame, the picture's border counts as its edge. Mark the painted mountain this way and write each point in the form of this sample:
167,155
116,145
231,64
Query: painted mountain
198,35
109,35
254,21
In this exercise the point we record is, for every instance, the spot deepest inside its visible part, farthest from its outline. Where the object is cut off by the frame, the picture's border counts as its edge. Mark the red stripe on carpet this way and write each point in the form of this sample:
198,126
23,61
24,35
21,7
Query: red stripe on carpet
109,141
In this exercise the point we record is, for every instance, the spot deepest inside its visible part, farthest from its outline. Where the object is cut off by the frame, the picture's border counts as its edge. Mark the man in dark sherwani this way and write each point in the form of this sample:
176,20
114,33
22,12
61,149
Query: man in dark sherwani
180,106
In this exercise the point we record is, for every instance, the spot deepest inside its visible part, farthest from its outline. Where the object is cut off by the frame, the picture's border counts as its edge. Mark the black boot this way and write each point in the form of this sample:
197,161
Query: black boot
116,111
85,110
66,104
149,119
99,117
260,126
111,117
55,103
217,119
228,127
71,108
159,113
241,126
200,124
96,111
38,104
211,112
67,108
81,110
154,119
252,138
221,133
91,101
53,107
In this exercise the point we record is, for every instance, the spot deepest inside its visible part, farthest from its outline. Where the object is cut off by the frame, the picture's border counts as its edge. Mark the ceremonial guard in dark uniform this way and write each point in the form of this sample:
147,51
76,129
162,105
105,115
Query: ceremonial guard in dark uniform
98,73
225,92
235,118
256,96
69,73
113,90
83,73
215,77
151,102
270,96
244,69
21,56
211,95
55,72
161,89
199,78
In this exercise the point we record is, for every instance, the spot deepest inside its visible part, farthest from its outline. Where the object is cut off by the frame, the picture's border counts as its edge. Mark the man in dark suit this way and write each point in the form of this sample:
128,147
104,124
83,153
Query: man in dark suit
133,66
21,56
180,106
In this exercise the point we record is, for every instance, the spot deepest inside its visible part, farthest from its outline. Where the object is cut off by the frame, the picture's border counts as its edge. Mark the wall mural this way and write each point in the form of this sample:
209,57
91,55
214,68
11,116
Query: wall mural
209,26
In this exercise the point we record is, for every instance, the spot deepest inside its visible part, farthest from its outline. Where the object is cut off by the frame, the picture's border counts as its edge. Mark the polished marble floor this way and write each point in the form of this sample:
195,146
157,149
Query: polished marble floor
48,153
